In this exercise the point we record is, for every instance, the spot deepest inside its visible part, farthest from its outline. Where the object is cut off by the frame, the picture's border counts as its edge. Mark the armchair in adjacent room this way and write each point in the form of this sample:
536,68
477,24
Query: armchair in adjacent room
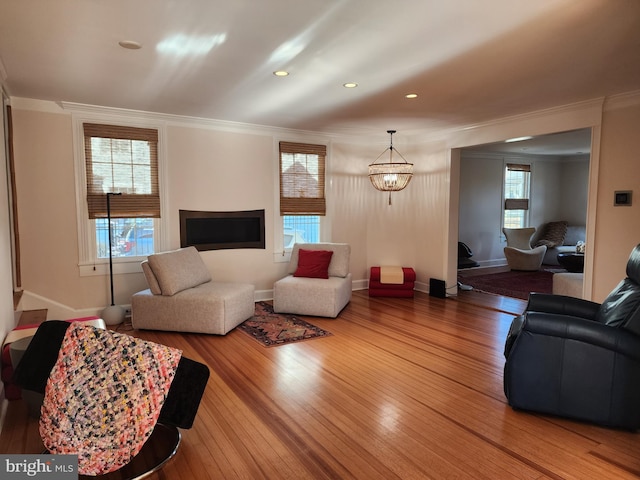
519,254
578,359
318,281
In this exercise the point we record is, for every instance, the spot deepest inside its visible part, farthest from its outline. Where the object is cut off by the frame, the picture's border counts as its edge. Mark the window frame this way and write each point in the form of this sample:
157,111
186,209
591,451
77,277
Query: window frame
88,262
524,201
280,253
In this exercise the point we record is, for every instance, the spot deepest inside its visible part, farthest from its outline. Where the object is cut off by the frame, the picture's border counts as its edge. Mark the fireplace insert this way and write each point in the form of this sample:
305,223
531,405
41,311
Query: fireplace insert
222,230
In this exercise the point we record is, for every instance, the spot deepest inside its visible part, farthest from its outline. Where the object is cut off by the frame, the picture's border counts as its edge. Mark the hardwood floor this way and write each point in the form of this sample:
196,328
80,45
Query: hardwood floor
403,389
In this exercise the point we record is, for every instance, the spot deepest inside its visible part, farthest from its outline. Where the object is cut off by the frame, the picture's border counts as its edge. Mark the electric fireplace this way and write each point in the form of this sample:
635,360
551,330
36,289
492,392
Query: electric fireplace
222,230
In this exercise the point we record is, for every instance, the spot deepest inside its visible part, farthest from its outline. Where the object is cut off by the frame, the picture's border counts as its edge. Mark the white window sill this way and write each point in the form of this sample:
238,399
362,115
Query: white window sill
282,257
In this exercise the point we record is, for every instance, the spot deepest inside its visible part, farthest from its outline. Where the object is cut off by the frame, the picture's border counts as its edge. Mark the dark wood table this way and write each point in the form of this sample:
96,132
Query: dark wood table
572,262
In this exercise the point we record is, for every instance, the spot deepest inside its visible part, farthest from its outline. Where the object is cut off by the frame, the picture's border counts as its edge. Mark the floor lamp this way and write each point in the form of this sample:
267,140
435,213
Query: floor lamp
113,314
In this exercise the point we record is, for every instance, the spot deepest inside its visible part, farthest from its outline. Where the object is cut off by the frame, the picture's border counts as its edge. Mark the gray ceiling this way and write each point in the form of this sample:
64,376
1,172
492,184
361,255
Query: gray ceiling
469,61
576,142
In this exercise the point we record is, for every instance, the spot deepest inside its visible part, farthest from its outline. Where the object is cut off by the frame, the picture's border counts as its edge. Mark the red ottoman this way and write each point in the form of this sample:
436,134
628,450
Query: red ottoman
405,289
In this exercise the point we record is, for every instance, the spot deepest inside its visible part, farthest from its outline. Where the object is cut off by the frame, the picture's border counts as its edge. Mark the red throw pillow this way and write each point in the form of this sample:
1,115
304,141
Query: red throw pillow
313,263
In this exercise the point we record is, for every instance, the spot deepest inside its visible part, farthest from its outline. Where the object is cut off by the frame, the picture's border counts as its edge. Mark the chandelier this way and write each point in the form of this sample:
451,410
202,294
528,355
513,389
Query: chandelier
390,176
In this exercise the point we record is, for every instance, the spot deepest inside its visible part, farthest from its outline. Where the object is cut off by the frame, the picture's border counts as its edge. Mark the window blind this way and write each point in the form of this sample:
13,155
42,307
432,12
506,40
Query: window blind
302,179
516,204
518,167
121,159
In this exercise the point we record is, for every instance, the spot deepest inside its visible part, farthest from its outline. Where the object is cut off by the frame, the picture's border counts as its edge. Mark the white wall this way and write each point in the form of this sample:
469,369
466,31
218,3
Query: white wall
420,228
481,207
574,179
222,171
618,228
546,191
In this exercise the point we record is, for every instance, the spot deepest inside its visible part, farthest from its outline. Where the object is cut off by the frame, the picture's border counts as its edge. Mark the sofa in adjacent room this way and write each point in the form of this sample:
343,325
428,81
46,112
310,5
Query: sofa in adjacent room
559,237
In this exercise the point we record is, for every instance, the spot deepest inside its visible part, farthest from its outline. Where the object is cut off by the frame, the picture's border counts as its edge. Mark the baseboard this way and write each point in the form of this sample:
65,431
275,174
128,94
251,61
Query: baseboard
58,311
263,295
497,262
359,285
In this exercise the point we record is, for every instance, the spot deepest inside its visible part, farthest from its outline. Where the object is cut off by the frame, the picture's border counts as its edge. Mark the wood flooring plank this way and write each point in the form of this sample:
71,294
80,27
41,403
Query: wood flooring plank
403,389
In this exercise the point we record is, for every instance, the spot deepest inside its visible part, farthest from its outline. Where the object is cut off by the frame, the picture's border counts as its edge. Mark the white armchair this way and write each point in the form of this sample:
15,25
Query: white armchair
519,254
322,297
183,298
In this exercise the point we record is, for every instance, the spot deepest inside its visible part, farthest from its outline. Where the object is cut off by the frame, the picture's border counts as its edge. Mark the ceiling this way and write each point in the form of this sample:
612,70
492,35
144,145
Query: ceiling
561,144
468,61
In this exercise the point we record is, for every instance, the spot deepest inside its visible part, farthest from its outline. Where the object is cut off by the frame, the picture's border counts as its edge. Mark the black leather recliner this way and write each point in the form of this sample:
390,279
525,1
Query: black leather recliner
579,359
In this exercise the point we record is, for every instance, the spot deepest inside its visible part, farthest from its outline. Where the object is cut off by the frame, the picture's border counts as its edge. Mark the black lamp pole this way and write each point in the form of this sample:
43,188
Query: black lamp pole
110,251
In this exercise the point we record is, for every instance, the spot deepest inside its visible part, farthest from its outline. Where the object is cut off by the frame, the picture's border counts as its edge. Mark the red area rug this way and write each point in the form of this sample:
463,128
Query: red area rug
511,284
272,329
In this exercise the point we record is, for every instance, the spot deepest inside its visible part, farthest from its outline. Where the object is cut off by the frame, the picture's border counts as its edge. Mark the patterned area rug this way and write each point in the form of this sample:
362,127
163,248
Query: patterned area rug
272,329
511,284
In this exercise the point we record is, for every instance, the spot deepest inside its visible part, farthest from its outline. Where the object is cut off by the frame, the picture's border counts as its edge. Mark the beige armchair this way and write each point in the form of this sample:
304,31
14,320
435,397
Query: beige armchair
519,254
183,298
322,297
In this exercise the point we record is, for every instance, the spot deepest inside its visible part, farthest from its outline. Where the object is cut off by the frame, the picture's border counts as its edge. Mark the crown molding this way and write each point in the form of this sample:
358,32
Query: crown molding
47,106
185,121
582,114
588,107
622,100
525,157
589,111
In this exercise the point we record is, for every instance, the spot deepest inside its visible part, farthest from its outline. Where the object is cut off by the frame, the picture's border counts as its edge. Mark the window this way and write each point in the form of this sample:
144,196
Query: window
122,160
302,200
516,195
301,229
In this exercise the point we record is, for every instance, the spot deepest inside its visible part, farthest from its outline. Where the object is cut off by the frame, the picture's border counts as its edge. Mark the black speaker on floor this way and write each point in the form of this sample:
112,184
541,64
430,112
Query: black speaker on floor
437,288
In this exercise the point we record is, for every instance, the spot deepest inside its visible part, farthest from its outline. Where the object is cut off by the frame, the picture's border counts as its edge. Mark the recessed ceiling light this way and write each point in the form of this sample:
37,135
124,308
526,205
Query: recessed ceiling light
350,85
411,95
281,73
130,44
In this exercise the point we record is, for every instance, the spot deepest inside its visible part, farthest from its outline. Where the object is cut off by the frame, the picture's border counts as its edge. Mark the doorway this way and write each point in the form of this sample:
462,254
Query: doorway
561,170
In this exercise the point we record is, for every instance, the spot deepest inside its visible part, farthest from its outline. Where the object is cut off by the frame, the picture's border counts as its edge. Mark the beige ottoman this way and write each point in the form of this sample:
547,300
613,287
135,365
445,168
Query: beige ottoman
569,284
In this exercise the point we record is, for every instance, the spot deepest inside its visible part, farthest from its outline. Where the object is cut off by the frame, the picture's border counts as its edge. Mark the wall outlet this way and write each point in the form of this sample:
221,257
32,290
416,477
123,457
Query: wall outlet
127,311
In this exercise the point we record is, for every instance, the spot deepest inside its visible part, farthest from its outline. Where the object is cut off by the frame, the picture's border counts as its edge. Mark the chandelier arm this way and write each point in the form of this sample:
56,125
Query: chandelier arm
383,152
390,159
405,160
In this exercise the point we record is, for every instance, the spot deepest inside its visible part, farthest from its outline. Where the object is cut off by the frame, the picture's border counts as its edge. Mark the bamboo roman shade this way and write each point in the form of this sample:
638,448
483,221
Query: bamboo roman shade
124,160
518,167
517,203
302,173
